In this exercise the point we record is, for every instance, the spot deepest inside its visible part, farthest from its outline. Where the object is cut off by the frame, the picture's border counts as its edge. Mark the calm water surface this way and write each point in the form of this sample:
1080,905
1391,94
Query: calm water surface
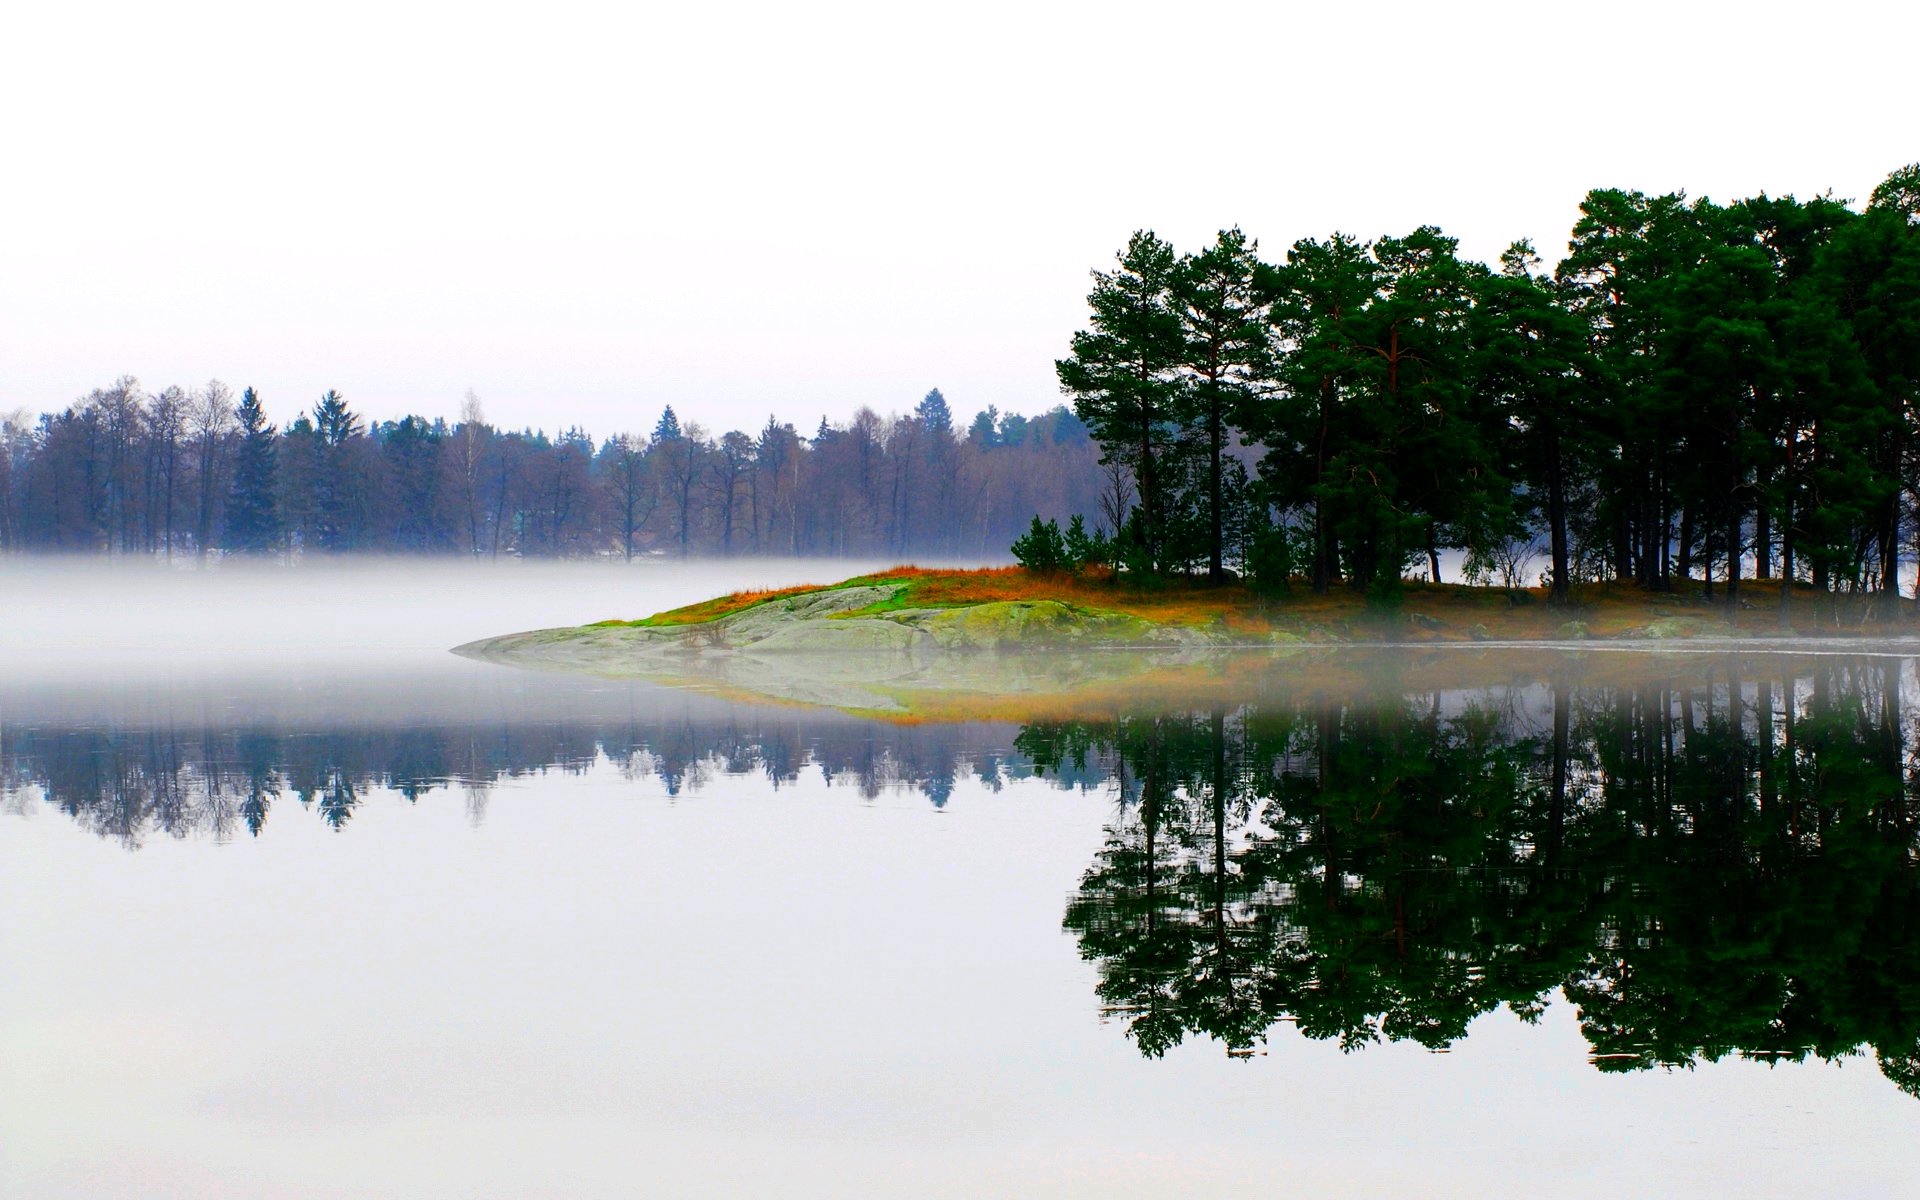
402,925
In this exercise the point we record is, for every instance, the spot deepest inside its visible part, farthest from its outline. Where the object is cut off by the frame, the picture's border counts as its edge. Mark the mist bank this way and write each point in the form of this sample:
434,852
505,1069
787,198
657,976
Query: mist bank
65,619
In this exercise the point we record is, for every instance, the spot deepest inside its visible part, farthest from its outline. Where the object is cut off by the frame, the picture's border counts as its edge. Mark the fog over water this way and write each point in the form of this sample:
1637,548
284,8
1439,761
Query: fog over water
65,618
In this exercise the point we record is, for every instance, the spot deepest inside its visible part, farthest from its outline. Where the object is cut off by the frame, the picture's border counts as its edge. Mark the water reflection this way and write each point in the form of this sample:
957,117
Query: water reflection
176,770
1708,857
1724,864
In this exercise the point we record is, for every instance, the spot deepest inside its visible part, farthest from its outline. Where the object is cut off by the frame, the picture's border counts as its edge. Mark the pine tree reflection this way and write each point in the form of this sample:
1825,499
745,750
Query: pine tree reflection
1706,868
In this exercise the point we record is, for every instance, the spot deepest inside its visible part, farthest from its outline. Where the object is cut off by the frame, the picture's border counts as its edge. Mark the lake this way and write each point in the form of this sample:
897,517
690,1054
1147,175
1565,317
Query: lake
298,905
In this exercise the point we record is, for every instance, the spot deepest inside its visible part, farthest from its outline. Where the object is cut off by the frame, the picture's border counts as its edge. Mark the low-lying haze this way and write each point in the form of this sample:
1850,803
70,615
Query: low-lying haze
62,619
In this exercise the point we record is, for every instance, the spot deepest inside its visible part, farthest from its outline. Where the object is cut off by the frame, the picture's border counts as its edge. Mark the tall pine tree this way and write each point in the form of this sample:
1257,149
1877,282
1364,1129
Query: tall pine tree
1122,374
1226,366
253,516
1535,372
335,428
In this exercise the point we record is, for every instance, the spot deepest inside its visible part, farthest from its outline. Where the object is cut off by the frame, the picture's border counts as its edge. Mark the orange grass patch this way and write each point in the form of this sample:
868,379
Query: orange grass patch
719,606
1168,603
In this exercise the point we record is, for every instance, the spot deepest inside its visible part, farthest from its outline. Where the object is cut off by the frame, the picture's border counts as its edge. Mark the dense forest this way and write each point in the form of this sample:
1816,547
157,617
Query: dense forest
1696,391
182,472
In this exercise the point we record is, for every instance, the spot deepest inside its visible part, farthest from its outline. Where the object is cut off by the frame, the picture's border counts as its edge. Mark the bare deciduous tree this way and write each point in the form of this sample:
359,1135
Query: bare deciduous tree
728,466
679,462
634,495
211,421
470,438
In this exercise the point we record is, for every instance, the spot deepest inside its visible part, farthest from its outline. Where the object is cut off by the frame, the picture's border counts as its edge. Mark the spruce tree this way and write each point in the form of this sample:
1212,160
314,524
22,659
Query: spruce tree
335,427
253,518
933,414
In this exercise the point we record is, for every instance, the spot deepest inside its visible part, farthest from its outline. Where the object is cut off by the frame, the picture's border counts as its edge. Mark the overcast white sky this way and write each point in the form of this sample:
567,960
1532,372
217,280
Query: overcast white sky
586,212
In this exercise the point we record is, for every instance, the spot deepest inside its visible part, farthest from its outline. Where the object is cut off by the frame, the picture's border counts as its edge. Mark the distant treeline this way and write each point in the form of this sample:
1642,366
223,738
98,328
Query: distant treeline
1697,389
177,472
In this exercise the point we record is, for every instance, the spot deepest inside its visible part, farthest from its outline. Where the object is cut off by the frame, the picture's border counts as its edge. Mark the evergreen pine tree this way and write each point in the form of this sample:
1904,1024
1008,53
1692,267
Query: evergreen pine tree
334,427
1121,373
253,518
933,414
1534,371
1226,363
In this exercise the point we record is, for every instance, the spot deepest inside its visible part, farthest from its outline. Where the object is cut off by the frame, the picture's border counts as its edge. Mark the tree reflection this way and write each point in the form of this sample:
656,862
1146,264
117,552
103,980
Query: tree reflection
1719,860
130,783
1716,867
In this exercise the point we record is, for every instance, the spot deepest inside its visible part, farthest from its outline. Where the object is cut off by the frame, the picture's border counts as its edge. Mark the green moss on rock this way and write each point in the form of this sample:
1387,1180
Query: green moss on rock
1036,623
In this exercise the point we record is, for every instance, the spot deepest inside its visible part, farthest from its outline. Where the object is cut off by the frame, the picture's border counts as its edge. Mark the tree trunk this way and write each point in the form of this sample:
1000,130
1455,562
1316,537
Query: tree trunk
1650,550
1622,545
1322,535
1685,564
1890,548
1560,588
1733,558
1786,561
1663,575
1216,515
1322,551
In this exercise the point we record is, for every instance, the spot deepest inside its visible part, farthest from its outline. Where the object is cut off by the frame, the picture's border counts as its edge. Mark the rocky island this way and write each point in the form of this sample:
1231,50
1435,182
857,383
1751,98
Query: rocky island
887,642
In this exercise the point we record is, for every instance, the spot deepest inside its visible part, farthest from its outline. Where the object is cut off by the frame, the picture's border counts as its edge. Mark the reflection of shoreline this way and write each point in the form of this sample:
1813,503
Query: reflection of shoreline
1058,684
